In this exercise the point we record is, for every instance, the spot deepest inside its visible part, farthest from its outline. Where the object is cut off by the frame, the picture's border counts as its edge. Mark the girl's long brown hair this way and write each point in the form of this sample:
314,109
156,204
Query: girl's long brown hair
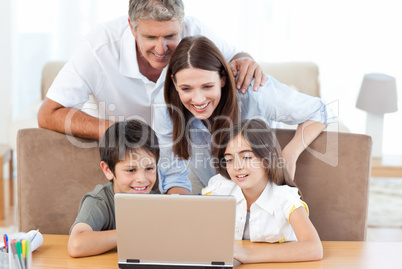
199,52
265,146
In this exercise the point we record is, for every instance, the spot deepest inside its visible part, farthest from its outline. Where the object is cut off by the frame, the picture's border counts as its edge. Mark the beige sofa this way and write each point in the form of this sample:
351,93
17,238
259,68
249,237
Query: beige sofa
55,170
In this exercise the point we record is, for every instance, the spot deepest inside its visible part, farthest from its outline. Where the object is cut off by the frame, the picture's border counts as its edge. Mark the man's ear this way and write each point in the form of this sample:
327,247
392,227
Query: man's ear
106,170
132,29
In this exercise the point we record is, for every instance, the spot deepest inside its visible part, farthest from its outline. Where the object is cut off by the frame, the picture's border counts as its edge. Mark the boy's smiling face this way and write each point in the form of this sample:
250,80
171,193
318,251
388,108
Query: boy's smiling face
135,174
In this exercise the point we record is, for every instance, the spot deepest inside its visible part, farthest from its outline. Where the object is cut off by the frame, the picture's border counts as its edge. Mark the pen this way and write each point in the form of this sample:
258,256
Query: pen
14,251
34,235
24,252
19,253
28,252
5,238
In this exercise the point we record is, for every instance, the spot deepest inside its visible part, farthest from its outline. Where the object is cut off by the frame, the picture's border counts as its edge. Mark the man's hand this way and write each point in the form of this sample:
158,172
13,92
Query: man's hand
247,69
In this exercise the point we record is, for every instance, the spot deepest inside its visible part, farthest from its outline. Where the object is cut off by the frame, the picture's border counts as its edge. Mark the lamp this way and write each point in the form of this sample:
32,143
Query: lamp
377,96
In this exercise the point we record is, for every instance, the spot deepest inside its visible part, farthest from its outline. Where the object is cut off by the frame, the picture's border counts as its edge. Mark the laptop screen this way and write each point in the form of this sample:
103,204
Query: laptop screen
175,229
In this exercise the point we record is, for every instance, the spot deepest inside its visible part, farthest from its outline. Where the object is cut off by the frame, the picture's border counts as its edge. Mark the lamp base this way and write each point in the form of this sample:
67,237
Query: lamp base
374,128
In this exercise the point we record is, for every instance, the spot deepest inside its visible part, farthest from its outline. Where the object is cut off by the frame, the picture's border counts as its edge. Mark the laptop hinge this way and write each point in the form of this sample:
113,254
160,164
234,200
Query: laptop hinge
133,261
217,263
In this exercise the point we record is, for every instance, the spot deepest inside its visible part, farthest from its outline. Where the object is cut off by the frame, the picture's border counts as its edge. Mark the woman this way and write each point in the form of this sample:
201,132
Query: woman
202,100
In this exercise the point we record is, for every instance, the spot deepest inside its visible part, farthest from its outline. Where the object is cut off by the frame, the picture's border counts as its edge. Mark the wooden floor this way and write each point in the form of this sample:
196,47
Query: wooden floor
10,218
9,223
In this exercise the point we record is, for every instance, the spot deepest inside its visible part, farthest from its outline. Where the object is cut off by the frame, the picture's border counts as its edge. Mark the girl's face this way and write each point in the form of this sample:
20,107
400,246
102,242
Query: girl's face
135,174
243,167
199,90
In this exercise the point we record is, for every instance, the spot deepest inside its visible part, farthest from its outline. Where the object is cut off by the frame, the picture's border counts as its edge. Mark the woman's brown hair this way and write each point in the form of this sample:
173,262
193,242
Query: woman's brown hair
198,52
265,146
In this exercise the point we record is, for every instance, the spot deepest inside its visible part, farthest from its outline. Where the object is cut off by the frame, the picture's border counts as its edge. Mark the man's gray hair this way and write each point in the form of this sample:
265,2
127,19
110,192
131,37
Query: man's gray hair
157,10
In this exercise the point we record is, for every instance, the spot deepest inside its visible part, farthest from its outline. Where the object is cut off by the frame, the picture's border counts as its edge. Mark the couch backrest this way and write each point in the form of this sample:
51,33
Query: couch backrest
55,170
303,76
49,73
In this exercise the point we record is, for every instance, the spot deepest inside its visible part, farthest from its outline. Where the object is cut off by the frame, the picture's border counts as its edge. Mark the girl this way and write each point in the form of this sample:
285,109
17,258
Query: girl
269,208
202,100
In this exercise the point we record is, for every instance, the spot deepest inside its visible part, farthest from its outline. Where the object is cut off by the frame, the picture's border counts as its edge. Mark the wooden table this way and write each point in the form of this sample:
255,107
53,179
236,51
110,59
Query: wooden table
387,166
364,255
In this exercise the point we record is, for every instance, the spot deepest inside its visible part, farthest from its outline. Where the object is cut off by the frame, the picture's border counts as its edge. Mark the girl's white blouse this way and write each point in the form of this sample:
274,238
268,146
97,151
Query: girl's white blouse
269,215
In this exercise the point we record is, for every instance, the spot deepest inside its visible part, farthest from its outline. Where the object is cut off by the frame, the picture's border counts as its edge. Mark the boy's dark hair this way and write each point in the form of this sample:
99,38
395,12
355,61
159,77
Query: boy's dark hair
124,138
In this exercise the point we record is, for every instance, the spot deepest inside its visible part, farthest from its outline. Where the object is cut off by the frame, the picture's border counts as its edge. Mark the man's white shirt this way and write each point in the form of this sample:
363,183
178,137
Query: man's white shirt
105,67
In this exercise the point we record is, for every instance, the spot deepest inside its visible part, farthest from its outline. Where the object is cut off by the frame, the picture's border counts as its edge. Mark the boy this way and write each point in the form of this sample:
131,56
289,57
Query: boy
129,155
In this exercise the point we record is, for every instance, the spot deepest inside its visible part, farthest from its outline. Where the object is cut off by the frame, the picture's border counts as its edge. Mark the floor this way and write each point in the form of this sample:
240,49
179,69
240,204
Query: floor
374,234
9,220
9,223
378,234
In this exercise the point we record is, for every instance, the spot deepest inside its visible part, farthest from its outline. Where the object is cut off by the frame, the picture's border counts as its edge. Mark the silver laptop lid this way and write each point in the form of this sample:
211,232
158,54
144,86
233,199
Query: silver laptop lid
175,229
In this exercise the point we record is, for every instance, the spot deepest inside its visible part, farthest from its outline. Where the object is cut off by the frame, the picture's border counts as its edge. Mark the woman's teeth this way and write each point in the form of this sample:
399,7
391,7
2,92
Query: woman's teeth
159,56
201,107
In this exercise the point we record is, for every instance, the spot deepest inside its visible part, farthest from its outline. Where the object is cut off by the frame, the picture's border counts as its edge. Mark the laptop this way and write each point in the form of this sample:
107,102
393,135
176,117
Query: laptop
174,231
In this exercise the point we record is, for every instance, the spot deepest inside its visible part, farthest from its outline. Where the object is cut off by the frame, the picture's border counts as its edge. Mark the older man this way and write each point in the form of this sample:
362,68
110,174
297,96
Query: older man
122,65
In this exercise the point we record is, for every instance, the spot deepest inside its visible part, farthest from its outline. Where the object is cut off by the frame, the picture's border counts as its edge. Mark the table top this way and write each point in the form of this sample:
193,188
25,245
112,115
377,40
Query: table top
53,254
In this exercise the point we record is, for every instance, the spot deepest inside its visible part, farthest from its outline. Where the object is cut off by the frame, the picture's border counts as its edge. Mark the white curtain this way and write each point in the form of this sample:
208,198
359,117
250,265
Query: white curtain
345,38
50,30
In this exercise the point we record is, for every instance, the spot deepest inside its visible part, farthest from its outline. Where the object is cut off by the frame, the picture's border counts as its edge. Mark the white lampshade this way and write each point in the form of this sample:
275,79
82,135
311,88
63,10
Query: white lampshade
378,94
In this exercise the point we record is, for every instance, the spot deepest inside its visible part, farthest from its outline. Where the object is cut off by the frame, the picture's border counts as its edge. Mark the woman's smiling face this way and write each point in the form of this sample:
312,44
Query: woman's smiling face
199,90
